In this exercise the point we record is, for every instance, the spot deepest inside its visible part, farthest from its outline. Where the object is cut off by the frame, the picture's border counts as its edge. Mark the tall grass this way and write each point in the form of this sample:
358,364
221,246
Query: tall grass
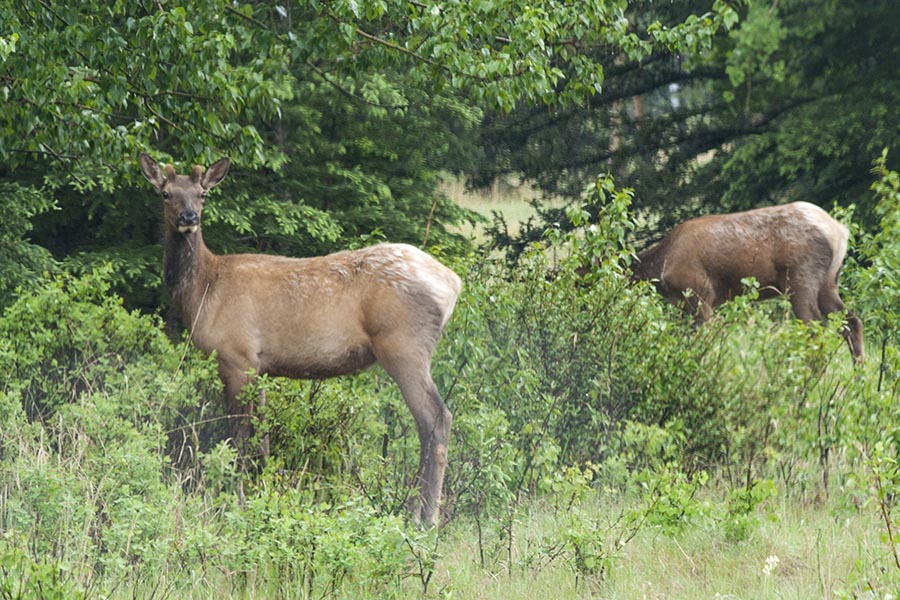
797,550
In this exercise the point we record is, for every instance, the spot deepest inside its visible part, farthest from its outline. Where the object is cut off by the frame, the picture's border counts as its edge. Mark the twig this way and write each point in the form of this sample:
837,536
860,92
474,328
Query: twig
428,222
59,158
393,46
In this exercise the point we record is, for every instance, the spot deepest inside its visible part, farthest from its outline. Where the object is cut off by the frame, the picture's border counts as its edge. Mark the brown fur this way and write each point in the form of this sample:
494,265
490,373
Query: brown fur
311,317
794,249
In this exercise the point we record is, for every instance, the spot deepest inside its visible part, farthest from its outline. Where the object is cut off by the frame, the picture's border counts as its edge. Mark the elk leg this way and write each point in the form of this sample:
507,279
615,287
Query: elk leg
264,442
432,467
805,306
698,304
235,380
703,312
433,421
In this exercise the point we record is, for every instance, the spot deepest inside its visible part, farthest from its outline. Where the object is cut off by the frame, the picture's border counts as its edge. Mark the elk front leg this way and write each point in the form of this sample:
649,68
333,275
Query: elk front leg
697,306
264,441
236,379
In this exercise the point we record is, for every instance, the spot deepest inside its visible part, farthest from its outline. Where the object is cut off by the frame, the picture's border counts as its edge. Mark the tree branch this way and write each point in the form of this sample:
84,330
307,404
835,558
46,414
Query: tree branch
347,92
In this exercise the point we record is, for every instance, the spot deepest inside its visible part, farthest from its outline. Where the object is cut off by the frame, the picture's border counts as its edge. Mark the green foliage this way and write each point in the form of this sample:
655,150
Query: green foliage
871,404
23,578
742,516
879,282
364,171
71,338
21,262
94,390
671,497
755,41
813,118
51,337
287,539
316,429
94,86
503,54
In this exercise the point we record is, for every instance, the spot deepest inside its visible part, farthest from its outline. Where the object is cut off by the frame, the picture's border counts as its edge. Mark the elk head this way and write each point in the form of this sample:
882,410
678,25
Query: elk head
183,195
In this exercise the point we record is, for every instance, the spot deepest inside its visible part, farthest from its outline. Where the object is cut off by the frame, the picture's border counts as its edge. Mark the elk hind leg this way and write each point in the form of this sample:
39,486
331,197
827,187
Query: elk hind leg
411,371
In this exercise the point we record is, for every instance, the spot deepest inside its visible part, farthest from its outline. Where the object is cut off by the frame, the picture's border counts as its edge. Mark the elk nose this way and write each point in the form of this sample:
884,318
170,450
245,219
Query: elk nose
188,217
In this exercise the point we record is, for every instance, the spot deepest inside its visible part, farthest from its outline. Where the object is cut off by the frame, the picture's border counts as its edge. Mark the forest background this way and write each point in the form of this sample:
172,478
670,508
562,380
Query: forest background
601,446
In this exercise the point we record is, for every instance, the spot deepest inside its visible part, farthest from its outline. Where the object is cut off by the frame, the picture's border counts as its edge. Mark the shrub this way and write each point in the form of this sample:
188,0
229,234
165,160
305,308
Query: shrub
24,578
95,393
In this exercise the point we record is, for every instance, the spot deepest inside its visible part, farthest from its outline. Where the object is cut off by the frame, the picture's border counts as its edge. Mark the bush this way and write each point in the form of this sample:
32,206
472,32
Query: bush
95,394
24,578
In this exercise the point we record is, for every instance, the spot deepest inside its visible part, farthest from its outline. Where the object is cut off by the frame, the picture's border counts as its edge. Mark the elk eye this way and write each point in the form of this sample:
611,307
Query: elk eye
203,194
165,195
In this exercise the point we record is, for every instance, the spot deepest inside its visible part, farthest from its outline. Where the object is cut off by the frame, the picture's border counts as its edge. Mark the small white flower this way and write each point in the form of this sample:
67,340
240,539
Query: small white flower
770,566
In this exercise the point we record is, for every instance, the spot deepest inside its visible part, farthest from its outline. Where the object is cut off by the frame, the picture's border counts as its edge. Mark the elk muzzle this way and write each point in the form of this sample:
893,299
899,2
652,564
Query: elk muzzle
187,221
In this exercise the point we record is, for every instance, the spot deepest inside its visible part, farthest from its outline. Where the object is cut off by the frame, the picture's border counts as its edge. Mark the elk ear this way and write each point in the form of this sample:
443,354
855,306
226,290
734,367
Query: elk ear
150,169
215,174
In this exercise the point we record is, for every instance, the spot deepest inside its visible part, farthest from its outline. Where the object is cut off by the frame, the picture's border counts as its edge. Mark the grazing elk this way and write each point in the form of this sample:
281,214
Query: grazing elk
311,318
795,249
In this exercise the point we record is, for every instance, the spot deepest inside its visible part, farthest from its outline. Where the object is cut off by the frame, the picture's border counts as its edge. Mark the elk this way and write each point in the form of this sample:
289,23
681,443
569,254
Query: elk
310,318
795,249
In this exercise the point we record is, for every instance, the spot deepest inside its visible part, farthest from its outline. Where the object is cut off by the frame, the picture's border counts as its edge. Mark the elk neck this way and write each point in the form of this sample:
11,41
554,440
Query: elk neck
188,266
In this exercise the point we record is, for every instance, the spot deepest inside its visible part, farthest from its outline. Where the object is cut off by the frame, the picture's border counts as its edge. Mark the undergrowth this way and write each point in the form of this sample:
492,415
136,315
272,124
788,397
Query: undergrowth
593,426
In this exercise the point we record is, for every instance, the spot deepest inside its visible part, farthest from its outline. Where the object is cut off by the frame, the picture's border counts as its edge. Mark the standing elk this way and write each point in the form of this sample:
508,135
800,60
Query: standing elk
311,318
795,249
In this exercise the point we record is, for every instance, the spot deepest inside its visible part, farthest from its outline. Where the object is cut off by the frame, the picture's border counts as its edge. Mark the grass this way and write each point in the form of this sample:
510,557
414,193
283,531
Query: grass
508,196
798,550
793,554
